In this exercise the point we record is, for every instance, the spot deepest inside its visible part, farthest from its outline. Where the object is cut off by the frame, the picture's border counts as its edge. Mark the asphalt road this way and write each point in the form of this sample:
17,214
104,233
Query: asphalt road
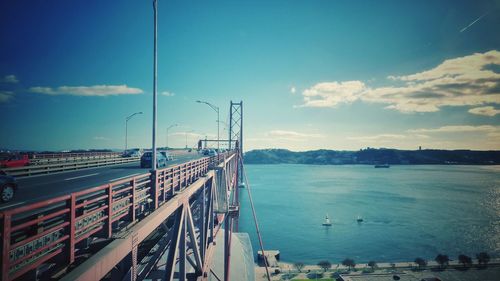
36,188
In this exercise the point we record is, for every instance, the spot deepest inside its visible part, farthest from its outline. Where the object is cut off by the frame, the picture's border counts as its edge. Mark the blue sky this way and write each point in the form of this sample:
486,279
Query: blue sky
311,74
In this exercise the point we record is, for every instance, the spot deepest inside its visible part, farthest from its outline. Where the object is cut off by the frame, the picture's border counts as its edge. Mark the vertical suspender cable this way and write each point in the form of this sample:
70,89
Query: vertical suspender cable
254,216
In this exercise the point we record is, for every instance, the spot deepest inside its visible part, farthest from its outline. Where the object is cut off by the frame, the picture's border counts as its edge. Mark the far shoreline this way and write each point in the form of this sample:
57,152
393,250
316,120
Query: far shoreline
371,156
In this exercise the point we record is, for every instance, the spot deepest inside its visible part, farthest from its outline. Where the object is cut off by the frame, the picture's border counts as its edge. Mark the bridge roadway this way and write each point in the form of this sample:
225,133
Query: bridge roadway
36,188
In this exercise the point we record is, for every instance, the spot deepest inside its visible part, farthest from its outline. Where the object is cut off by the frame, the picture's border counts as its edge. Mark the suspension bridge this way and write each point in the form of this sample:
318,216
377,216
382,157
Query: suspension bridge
173,223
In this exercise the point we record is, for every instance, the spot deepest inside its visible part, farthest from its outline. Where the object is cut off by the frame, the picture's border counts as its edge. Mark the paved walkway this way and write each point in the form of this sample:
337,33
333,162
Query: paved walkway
384,271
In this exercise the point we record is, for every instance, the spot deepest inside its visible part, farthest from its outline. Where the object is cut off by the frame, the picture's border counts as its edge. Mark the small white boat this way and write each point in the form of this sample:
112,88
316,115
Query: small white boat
327,221
359,219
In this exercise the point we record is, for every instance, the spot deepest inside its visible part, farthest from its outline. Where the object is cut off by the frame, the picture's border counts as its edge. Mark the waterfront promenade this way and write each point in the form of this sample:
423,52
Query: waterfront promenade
407,271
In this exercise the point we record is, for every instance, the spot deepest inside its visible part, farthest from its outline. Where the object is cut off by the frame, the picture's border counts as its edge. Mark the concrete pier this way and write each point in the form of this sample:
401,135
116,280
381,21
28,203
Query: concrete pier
272,256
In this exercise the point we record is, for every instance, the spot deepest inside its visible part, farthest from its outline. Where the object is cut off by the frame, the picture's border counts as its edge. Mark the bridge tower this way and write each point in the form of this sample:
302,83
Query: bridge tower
236,130
236,137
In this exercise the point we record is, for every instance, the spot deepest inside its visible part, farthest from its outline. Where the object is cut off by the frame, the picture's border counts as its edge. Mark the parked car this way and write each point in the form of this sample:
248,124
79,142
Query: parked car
135,154
8,187
161,160
212,152
167,155
16,160
132,153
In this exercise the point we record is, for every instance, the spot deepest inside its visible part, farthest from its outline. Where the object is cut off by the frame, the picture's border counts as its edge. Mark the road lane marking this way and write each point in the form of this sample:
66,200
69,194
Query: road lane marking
74,178
125,177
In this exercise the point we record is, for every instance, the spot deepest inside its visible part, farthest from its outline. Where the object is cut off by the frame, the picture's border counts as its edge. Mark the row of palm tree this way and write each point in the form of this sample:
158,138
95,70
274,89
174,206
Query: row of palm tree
325,265
483,259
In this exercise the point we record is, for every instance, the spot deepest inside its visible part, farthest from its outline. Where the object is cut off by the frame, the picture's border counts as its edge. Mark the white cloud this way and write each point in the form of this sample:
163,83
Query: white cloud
485,110
189,134
381,137
463,81
5,96
87,91
446,137
329,94
293,90
465,136
388,138
9,79
100,138
291,135
299,141
458,129
167,94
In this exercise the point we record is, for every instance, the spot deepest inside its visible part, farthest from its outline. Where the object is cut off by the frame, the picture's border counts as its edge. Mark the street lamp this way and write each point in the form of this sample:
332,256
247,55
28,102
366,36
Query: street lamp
216,109
126,128
155,85
170,127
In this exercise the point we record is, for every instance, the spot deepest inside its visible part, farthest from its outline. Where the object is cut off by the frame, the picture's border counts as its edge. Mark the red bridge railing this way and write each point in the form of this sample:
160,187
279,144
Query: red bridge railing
75,154
59,230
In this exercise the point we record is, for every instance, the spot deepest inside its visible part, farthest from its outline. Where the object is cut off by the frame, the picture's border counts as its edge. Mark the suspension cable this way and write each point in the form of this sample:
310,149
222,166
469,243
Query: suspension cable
254,216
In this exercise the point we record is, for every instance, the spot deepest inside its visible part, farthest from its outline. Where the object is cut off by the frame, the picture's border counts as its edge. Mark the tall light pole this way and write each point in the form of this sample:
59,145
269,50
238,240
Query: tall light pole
170,127
216,109
126,128
155,71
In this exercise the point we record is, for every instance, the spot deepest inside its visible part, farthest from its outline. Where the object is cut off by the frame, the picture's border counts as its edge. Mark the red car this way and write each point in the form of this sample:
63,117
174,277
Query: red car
15,161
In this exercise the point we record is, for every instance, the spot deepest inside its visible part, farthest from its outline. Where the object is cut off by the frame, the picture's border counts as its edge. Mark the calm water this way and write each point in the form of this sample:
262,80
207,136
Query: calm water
408,211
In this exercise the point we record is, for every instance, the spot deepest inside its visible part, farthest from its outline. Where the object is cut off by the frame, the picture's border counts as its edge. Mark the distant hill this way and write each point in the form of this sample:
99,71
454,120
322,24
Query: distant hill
373,156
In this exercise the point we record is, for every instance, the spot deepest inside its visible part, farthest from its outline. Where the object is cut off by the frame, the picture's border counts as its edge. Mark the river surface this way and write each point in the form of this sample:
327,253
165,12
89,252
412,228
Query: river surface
409,211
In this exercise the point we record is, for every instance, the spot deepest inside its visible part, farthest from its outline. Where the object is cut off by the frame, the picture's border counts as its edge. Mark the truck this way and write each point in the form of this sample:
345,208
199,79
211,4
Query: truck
16,160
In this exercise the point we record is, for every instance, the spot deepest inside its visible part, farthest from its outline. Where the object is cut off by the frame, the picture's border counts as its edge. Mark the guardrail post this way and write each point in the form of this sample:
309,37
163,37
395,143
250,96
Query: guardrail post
154,188
109,224
6,247
179,179
186,175
171,183
160,181
132,183
165,185
72,229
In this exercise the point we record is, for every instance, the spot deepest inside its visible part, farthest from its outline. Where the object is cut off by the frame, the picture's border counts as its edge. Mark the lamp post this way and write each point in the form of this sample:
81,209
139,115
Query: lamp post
155,74
216,109
126,128
170,127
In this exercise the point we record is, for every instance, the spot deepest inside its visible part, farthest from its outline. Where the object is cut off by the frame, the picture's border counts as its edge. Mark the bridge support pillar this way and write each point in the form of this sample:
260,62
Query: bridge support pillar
182,248
227,246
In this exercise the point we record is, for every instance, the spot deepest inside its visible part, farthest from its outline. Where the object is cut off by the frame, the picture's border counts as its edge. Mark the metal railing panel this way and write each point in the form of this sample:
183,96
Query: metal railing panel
60,167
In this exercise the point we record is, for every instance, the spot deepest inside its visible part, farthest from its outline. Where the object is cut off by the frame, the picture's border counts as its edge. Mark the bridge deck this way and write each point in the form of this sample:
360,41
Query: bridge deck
37,188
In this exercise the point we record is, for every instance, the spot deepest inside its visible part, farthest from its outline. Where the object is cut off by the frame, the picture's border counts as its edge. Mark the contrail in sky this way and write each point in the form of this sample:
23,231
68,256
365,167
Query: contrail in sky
465,28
